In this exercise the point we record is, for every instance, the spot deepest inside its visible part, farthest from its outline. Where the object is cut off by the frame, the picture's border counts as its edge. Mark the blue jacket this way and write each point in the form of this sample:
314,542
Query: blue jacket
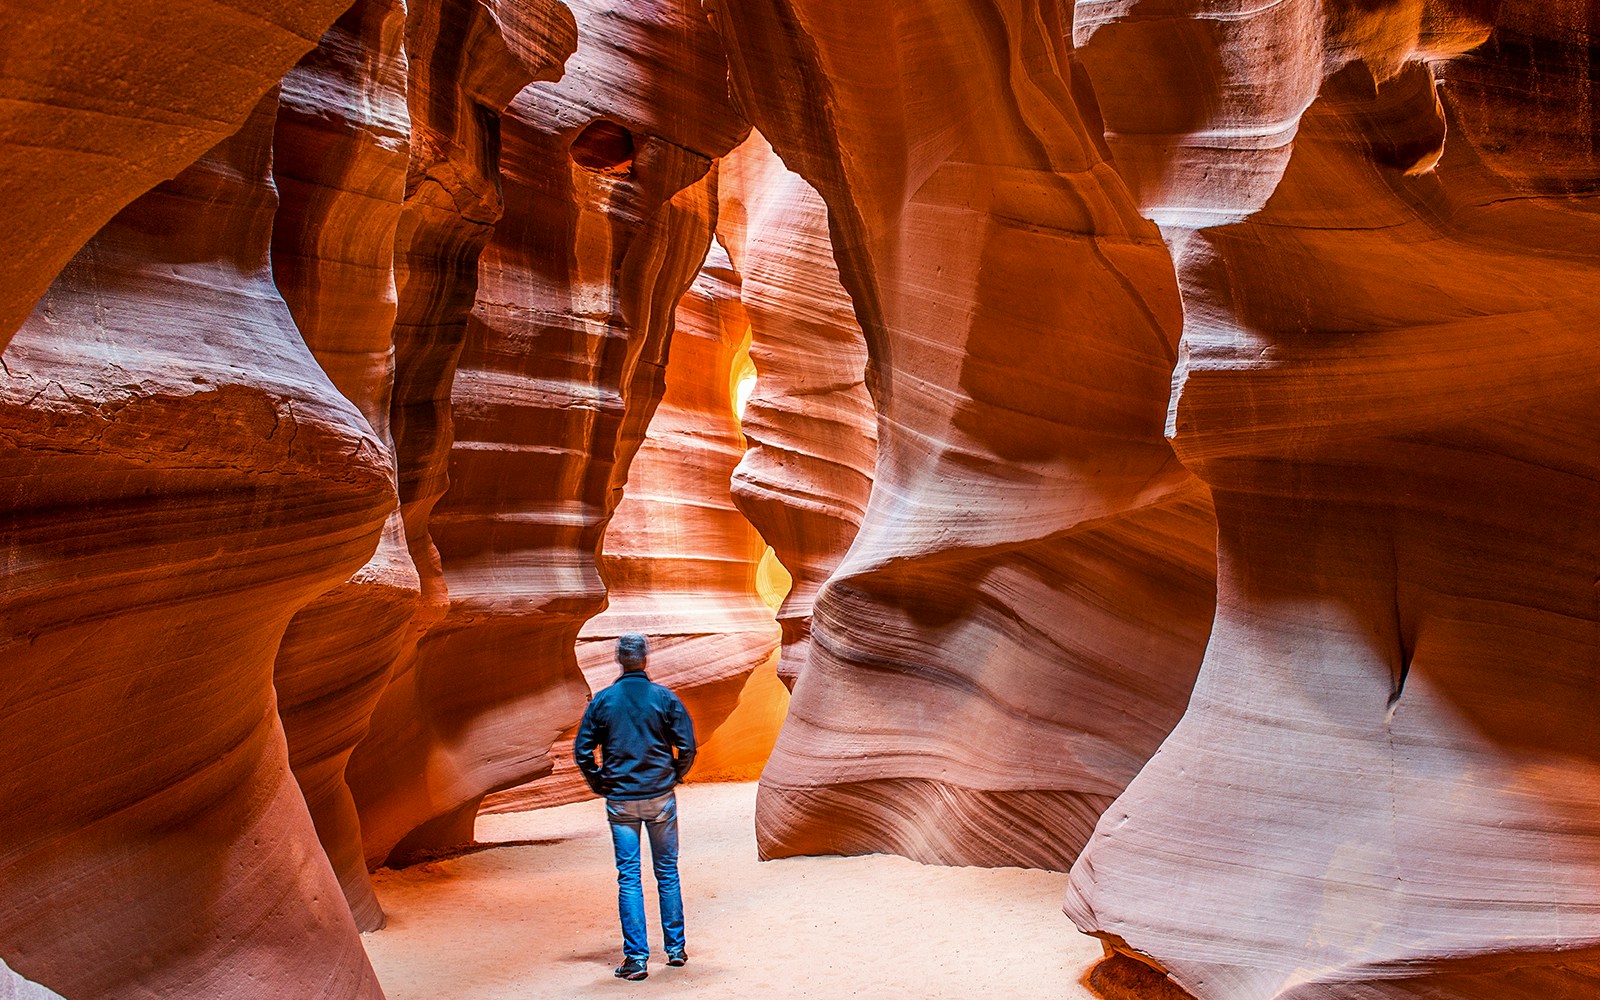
637,724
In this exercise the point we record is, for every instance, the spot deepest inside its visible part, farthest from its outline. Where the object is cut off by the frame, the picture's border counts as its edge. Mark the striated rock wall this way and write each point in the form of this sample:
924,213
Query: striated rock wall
681,562
178,479
810,423
1034,564
466,62
339,162
102,99
1386,784
608,214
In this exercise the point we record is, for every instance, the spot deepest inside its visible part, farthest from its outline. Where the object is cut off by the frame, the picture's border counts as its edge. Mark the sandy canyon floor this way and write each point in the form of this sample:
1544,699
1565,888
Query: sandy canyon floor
533,915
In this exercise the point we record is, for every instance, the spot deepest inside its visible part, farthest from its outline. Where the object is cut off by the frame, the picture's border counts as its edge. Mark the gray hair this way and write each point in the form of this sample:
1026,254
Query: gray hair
631,650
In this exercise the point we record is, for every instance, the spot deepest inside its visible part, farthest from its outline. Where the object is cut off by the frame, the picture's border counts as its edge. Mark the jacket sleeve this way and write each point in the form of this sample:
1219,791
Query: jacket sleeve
589,737
682,731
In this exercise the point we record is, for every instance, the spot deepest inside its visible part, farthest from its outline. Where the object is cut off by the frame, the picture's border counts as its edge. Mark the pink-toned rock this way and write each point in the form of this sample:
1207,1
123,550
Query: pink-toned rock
179,478
339,160
608,214
1023,611
466,61
1387,784
680,562
812,428
100,100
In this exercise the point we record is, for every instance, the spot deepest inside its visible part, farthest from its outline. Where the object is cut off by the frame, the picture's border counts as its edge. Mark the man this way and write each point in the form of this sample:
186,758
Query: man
637,724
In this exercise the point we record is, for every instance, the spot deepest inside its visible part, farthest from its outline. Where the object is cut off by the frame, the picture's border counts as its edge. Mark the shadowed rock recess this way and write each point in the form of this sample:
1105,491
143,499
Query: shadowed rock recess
1177,418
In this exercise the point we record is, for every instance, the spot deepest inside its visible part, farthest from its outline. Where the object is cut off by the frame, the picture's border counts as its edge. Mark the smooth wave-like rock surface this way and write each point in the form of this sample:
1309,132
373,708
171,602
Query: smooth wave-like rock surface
179,478
681,563
608,212
1034,564
100,100
811,426
1387,783
339,161
466,62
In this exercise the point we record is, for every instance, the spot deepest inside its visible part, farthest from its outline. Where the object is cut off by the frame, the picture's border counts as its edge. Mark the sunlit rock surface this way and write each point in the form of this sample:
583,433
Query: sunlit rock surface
100,100
1388,781
608,212
811,426
178,478
681,562
1034,565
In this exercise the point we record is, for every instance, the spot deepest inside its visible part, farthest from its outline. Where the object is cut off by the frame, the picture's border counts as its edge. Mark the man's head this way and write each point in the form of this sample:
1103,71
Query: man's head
631,650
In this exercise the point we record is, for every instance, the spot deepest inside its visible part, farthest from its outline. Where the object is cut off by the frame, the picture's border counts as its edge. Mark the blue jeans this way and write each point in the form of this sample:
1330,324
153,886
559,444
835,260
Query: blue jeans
660,818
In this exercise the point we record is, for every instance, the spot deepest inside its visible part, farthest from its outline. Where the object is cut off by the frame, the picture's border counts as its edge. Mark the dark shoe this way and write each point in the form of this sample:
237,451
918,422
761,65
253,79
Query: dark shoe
631,969
677,958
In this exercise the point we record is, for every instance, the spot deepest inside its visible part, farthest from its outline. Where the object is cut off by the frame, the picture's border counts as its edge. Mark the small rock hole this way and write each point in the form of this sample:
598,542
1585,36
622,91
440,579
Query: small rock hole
604,147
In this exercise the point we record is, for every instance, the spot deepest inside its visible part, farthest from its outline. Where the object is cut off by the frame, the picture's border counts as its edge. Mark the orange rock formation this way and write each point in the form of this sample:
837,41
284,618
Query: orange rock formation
681,562
608,212
466,62
1211,377
103,99
811,426
180,479
1388,778
1034,564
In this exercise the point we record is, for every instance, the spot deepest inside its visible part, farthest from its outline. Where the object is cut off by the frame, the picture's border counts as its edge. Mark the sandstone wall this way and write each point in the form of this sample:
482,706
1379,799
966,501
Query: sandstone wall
101,100
321,401
1386,782
466,63
608,213
1034,564
811,427
339,162
180,478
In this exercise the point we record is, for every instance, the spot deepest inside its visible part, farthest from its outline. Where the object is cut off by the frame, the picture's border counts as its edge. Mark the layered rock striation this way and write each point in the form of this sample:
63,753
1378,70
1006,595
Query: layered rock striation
102,100
340,152
1034,564
811,426
681,563
466,62
179,479
608,212
1387,780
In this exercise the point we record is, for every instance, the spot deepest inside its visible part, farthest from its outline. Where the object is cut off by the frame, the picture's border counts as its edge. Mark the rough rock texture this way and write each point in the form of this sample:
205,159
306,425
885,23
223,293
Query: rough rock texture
1388,781
340,166
102,99
608,214
680,562
178,478
1034,564
811,426
466,62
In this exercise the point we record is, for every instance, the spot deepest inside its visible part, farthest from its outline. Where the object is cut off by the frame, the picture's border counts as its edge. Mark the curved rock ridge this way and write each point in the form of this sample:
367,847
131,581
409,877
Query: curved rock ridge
1034,564
680,562
811,426
1387,783
466,61
608,214
88,126
180,478
339,161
